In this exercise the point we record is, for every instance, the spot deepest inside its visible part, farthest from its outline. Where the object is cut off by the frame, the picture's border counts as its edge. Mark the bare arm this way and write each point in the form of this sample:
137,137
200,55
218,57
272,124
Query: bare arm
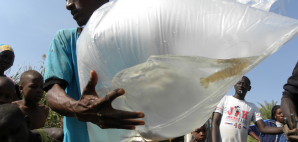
91,108
267,129
215,126
56,133
254,135
60,102
290,134
285,102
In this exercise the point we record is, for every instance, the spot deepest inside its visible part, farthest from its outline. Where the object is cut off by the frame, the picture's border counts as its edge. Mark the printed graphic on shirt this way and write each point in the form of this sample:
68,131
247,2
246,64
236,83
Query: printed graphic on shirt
237,115
229,123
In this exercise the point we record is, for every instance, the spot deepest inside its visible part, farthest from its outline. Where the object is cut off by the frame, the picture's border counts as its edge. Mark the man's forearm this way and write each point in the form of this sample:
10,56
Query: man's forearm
271,130
254,135
216,118
285,102
60,102
214,133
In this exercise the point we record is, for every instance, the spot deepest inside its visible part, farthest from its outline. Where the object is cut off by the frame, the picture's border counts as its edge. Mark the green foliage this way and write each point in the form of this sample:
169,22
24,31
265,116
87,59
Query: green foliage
266,108
251,139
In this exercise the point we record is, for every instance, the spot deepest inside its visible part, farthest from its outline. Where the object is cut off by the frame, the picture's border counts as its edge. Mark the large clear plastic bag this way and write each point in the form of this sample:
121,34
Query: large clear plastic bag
175,59
276,6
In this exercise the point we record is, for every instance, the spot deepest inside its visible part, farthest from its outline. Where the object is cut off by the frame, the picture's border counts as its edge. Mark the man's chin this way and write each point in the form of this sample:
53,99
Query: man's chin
81,23
241,93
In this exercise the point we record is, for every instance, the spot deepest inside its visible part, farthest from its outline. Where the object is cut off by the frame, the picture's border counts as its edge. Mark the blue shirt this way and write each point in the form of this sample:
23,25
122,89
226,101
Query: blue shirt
265,137
62,64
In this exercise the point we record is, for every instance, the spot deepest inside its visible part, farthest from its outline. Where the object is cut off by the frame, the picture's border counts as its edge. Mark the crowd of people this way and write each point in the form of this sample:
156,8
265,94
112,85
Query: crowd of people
23,119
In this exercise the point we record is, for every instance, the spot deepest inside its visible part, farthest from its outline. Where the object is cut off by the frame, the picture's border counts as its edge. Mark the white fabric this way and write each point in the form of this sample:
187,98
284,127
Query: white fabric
236,117
279,124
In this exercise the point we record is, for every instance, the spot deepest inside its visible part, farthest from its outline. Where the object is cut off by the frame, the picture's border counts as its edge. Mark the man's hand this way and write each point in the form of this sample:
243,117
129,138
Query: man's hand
254,135
91,108
290,134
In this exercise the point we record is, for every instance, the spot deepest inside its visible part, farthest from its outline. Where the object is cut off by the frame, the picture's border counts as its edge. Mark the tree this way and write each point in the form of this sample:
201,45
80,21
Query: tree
266,108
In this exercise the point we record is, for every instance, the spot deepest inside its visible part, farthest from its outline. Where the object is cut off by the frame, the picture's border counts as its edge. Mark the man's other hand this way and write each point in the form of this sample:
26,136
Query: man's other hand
290,134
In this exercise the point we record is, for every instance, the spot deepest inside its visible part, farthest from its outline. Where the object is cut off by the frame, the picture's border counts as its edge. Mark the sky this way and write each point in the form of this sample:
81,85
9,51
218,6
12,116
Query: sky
29,26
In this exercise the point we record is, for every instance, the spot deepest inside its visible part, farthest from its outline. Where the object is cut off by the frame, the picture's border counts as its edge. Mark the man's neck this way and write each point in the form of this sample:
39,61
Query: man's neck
80,29
239,97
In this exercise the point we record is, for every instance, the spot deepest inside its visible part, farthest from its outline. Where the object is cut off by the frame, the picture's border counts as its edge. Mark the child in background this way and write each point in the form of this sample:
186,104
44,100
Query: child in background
14,126
31,84
7,90
200,134
6,61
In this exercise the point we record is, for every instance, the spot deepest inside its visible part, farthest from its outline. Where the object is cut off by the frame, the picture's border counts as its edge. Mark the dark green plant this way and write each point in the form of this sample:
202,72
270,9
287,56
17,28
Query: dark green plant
266,108
251,139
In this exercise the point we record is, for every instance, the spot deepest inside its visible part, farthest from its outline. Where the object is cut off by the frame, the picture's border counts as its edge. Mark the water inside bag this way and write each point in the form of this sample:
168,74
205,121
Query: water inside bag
187,78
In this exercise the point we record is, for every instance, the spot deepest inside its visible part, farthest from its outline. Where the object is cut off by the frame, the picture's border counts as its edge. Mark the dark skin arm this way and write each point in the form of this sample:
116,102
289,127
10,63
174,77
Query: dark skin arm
290,134
267,129
286,110
215,126
91,108
56,133
254,135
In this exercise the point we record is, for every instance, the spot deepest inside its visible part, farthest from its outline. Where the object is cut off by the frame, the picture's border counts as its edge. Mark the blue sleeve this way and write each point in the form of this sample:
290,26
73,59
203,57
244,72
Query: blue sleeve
59,61
254,128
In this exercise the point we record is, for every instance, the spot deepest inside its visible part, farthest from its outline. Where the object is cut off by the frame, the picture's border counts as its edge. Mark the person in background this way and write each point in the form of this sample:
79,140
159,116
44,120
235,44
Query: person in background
31,84
15,127
200,134
7,90
277,120
6,61
233,114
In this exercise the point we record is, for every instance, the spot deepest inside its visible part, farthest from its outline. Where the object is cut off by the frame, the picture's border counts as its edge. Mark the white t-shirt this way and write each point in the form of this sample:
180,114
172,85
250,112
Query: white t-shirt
236,117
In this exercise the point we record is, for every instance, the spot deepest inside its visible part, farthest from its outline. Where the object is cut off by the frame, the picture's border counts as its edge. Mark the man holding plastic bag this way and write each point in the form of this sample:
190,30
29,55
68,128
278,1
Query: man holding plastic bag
62,86
289,106
121,44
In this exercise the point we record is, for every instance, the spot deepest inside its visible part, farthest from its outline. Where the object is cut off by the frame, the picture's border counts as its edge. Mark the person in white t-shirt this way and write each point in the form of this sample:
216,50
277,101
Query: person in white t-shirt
232,116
